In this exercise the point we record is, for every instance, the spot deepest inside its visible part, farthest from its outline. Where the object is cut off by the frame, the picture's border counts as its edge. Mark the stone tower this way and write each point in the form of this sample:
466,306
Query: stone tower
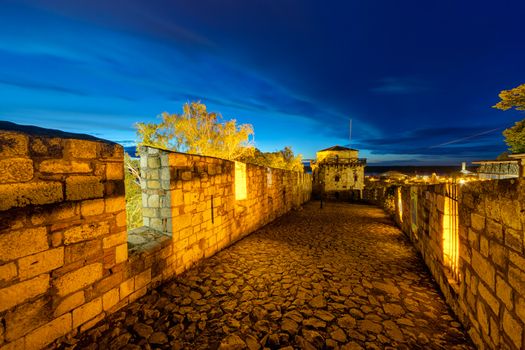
338,173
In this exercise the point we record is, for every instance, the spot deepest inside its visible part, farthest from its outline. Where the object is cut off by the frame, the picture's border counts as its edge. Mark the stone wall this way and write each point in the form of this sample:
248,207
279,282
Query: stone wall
192,199
63,249
66,260
488,294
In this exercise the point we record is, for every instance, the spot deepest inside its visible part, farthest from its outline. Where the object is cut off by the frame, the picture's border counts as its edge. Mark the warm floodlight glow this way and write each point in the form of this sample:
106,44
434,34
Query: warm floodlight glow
240,181
450,230
399,204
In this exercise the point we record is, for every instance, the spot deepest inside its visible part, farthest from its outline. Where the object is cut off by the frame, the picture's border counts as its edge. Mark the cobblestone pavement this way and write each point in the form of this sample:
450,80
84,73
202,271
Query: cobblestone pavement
339,278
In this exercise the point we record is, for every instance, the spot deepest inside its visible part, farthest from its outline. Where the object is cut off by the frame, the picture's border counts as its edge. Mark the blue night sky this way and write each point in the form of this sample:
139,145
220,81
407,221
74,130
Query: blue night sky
418,78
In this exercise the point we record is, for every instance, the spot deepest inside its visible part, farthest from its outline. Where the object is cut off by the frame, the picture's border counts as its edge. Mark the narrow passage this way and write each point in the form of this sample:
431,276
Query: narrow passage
338,278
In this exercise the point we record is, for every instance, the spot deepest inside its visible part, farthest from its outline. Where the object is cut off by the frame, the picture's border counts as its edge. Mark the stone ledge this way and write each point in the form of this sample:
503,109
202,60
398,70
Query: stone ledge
146,240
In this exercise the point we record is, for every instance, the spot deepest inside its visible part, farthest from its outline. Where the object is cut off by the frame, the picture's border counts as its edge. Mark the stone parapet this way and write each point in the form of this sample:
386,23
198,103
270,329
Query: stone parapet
488,293
65,259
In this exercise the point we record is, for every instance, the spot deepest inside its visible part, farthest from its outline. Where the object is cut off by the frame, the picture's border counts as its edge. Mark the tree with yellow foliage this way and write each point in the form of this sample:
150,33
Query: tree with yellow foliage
283,159
515,135
198,131
514,98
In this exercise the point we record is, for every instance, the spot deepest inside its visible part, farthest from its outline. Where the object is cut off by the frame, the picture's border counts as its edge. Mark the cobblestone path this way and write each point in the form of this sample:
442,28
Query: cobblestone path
339,278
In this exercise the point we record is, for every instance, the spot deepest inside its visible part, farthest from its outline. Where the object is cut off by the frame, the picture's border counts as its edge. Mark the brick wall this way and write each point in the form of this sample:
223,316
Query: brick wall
66,260
489,295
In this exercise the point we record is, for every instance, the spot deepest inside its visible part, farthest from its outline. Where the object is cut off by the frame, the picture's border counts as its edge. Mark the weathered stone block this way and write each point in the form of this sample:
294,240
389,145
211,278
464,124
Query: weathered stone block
153,184
115,204
518,260
151,212
109,150
120,219
16,244
495,230
81,149
16,170
482,318
109,282
110,299
180,222
63,212
498,254
473,239
114,171
127,287
504,292
153,162
84,187
512,328
7,272
477,222
87,311
85,232
92,207
483,268
520,308
489,298
153,201
177,159
517,279
15,345
18,293
13,144
143,279
484,246
82,251
49,332
115,239
121,253
23,194
61,166
49,147
510,213
514,239
27,317
78,279
36,264
69,303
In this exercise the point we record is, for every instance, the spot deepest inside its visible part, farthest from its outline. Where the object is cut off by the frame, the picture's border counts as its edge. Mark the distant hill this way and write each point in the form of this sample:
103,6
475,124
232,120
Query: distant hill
131,150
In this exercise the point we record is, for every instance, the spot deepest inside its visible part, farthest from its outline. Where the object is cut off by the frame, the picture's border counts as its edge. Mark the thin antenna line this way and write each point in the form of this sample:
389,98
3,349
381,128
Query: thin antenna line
350,134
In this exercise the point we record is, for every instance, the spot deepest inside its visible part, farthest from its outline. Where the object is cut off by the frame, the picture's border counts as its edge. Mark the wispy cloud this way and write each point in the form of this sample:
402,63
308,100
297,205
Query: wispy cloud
466,138
399,86
33,85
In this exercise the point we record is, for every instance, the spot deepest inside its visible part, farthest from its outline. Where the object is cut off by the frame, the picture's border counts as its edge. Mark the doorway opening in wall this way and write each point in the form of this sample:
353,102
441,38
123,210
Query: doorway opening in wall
133,189
451,230
240,181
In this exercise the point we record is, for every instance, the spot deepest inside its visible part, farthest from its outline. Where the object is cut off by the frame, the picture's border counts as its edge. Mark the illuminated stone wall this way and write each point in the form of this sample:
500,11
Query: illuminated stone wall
66,260
199,207
62,234
489,295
